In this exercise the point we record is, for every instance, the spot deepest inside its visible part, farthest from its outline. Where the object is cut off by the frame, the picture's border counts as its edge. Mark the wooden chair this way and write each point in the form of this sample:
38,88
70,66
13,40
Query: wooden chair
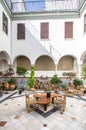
31,103
70,92
60,100
80,91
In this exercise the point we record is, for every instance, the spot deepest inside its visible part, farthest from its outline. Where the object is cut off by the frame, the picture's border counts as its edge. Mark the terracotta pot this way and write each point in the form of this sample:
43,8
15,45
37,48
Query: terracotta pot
6,85
12,86
32,89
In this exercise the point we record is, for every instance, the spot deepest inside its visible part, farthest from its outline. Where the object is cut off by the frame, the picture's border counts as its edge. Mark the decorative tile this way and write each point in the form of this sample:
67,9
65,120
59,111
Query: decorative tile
46,114
74,118
71,105
61,112
2,123
6,104
17,116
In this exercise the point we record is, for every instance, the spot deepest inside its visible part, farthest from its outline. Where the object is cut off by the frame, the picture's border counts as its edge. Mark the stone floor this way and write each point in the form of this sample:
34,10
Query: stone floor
13,115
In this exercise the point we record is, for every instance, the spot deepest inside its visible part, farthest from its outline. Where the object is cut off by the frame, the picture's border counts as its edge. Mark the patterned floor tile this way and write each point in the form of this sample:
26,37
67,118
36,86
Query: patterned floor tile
2,123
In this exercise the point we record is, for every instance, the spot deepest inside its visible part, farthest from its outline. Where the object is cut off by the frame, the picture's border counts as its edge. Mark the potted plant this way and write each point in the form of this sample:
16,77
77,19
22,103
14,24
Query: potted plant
55,80
64,86
6,85
12,82
31,81
20,89
21,71
77,83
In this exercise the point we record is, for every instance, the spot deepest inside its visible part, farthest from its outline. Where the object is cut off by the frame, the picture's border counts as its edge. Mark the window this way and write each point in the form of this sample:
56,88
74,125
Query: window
21,31
5,24
68,29
85,23
44,30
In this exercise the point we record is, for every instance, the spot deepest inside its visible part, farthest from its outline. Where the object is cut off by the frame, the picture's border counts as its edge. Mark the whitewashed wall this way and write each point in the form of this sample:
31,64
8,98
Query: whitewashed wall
5,40
75,46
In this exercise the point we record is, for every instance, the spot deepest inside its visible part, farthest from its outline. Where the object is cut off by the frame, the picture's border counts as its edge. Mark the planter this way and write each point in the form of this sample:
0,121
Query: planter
6,85
20,92
12,86
56,89
12,82
32,89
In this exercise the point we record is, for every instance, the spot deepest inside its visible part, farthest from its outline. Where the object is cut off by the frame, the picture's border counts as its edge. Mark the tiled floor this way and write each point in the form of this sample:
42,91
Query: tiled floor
13,115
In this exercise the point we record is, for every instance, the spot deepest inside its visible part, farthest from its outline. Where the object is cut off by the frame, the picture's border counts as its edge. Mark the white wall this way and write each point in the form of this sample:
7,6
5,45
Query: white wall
75,46
5,40
29,47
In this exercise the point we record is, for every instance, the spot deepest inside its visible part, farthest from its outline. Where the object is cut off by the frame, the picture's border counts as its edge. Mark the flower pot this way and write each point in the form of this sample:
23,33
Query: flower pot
32,89
6,85
12,86
20,92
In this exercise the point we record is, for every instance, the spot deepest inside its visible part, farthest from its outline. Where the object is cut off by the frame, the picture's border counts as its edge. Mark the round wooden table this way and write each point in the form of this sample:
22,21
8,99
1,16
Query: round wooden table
43,100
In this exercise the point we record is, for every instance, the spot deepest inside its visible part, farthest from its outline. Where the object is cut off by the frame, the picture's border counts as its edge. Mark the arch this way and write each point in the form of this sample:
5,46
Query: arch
83,58
23,61
44,62
4,61
67,63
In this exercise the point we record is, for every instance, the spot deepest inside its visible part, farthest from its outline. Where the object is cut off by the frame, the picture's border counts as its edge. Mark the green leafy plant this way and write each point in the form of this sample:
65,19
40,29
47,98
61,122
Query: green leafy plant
77,82
55,80
21,71
64,86
31,81
20,89
12,81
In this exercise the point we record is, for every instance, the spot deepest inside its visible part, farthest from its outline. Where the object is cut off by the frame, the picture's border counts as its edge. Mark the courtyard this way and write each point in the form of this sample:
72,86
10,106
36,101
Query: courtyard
14,116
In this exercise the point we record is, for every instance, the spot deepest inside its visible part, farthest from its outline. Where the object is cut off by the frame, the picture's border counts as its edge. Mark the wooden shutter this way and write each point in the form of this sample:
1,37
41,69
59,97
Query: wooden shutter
68,29
85,23
5,24
20,31
44,31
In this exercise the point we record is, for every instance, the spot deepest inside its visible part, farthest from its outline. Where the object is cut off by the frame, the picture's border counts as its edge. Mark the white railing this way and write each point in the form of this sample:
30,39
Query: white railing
47,45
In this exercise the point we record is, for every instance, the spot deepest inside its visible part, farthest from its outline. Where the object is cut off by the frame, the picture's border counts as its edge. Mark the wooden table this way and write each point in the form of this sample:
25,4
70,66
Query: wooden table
43,100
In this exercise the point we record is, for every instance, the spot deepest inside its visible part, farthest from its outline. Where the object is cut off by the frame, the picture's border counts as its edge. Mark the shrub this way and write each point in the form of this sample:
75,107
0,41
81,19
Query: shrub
55,80
77,82
21,71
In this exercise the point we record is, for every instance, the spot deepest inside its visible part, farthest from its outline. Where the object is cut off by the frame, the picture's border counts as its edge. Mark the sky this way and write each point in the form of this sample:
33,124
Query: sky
34,5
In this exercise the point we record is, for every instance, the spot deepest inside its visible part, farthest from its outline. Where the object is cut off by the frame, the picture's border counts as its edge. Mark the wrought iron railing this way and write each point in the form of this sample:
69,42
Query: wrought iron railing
45,5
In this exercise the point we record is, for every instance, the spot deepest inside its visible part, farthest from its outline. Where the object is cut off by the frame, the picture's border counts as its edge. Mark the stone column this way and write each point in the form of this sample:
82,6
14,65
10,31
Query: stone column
80,70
